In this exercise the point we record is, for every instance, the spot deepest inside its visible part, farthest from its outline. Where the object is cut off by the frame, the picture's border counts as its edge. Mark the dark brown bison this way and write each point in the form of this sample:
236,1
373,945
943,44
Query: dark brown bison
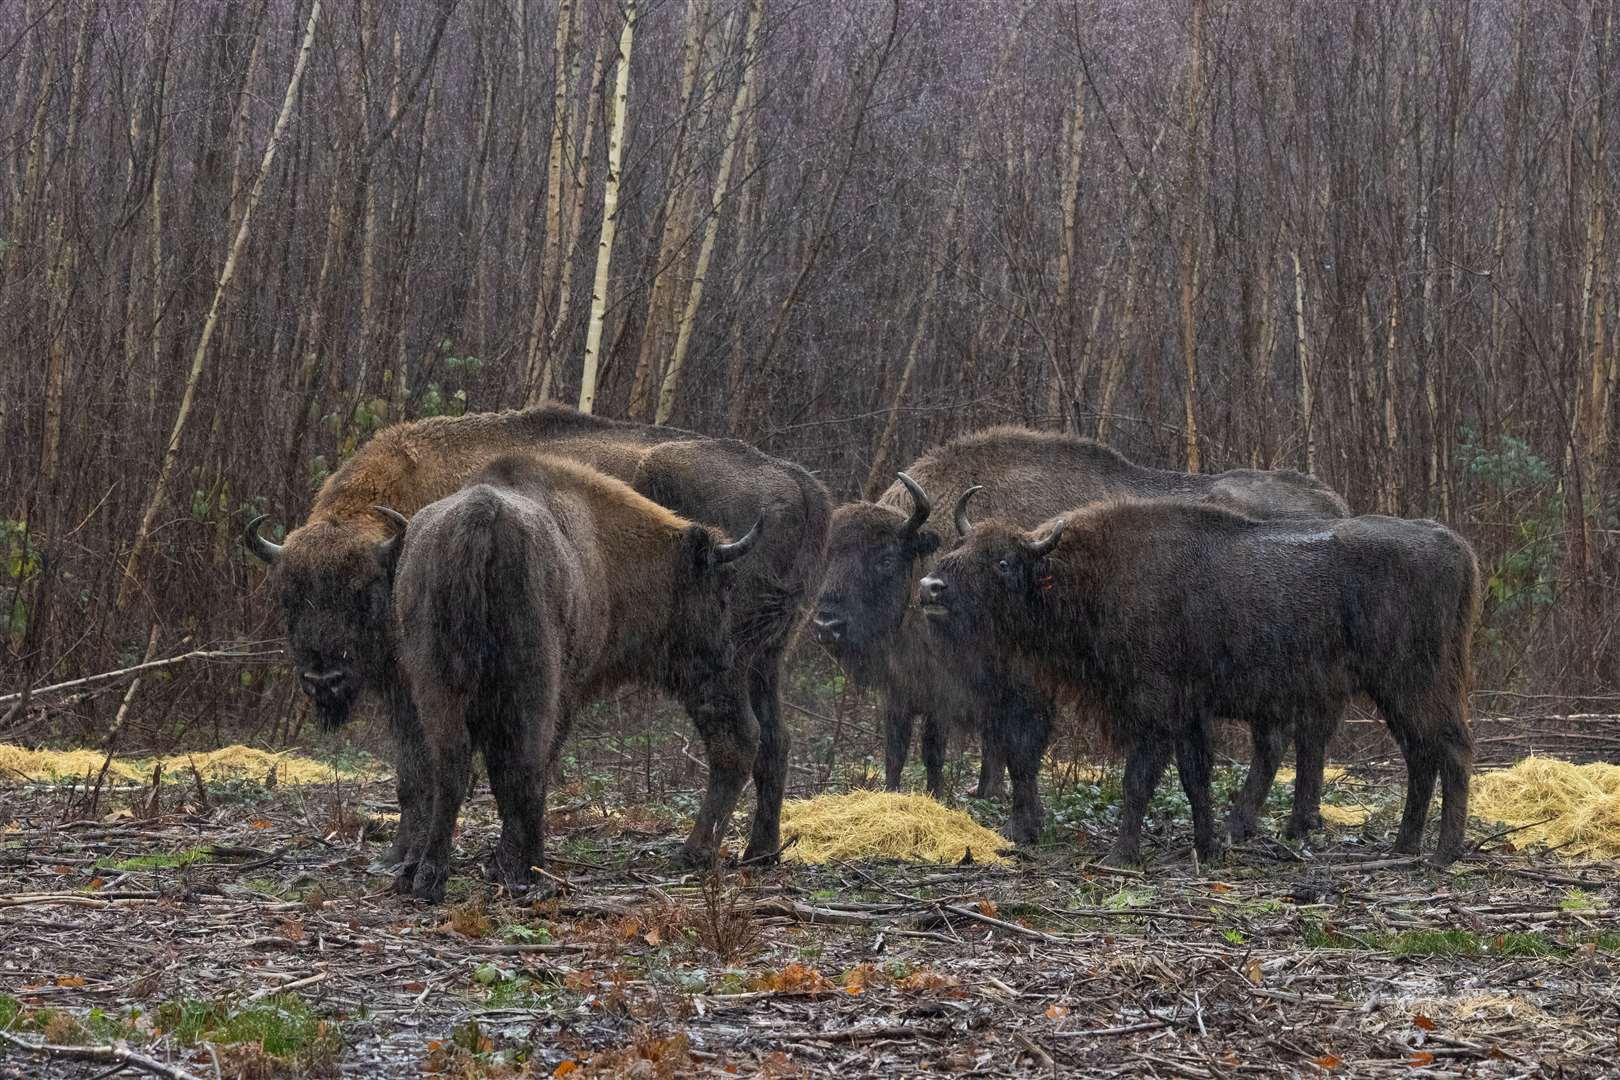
534,590
878,551
1167,614
330,579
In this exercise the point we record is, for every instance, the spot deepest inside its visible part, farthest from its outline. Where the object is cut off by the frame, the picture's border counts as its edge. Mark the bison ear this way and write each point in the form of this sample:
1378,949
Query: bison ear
388,550
925,543
698,545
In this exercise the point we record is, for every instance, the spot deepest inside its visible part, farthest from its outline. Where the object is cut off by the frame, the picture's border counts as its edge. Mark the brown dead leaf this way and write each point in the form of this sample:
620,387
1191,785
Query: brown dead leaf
1424,1022
653,937
415,988
1219,886
70,980
1328,1061
1420,1059
796,978
259,823
1253,971
988,908
1056,1012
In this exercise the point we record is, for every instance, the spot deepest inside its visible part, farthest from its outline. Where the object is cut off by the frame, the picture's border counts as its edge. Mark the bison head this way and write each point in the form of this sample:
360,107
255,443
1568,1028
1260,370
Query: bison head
994,579
702,644
333,581
874,556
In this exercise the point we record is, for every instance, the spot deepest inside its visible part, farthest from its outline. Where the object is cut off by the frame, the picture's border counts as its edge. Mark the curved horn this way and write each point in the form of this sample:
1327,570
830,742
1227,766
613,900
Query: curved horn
724,553
1044,547
399,520
389,548
962,523
264,549
921,507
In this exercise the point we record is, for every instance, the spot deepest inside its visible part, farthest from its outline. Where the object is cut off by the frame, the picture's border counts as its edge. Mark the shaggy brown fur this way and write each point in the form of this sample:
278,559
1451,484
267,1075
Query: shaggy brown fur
1168,614
331,580
865,615
534,590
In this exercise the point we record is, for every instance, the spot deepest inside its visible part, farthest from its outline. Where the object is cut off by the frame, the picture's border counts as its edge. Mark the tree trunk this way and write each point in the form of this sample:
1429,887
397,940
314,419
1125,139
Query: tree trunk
131,581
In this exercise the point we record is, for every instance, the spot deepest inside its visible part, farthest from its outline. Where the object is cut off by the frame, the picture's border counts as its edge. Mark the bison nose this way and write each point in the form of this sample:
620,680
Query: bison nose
829,625
931,589
322,682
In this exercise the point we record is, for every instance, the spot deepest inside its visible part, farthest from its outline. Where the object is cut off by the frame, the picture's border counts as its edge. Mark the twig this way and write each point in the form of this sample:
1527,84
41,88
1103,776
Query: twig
122,1056
153,665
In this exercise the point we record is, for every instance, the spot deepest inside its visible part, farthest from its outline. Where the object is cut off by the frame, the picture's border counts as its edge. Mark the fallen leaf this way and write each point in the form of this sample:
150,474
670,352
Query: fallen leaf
1056,1012
259,823
565,1068
96,883
414,988
1253,971
61,871
653,937
70,980
1328,1061
1219,886
1424,1022
1420,1058
988,908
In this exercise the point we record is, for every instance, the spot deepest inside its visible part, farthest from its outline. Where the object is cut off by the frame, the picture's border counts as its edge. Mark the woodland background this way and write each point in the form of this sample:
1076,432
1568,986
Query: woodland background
1371,240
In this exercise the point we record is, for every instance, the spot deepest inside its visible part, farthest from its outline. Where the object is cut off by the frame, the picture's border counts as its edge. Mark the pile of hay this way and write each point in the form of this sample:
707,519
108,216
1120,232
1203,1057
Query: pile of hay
1578,806
884,825
1348,815
228,763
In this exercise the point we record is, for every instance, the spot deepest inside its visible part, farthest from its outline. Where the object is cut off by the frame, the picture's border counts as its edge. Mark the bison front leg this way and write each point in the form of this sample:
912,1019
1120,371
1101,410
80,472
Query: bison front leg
1018,733
731,738
934,731
992,767
896,742
770,761
1144,765
1310,764
1243,820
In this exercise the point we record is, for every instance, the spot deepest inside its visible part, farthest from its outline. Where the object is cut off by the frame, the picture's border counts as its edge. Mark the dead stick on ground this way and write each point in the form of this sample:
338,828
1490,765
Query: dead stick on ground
115,1055
154,665
969,913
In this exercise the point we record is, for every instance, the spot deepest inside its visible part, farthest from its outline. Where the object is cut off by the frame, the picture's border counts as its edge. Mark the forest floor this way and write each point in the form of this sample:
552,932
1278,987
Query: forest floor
237,930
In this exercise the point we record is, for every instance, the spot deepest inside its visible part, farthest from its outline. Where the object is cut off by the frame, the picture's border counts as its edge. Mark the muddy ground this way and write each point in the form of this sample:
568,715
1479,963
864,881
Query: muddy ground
226,930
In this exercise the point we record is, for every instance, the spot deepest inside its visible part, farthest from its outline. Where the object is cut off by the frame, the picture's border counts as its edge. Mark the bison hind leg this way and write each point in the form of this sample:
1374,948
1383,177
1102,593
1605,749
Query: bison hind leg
1243,820
517,751
1193,767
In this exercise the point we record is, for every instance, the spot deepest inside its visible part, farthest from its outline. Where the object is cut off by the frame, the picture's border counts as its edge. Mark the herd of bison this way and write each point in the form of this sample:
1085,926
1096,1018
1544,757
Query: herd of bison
488,575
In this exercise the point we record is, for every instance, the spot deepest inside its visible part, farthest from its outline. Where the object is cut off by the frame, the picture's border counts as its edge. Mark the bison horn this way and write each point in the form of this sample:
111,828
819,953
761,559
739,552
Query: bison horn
264,549
1043,547
390,547
962,523
921,507
724,553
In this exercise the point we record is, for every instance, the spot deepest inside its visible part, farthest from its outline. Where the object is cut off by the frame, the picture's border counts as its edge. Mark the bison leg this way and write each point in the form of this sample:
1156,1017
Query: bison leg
934,732
1193,766
1018,733
731,739
1144,765
515,753
992,767
896,742
1243,820
415,797
771,761
1421,772
449,750
1310,762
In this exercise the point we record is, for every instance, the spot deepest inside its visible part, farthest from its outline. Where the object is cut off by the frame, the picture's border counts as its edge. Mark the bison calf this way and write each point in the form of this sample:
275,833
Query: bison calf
538,587
1170,613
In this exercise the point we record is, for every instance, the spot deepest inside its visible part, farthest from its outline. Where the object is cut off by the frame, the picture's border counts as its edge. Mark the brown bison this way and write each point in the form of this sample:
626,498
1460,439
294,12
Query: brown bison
330,577
878,551
536,589
1167,614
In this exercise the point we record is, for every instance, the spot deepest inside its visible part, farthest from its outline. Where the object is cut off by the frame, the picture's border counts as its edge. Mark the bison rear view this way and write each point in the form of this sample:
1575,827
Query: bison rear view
514,610
1168,614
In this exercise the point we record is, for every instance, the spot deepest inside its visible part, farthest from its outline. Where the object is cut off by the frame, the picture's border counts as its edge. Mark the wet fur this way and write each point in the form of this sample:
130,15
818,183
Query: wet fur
1027,477
1168,614
333,587
514,609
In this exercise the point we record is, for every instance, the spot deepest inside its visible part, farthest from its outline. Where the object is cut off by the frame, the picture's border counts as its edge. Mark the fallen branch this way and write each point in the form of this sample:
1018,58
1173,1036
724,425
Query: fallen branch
121,1056
238,653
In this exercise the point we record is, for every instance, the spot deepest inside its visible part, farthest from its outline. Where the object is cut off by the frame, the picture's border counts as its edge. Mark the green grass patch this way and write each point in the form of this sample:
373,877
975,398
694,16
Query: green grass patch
162,860
1433,943
282,1026
10,1010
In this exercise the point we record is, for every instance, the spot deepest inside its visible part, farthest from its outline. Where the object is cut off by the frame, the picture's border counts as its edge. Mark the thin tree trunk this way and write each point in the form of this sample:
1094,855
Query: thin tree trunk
683,338
610,211
1191,230
551,256
132,569
1302,343
1055,406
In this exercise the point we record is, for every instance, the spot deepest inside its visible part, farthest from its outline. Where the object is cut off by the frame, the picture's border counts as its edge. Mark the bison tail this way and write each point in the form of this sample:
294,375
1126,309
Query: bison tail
468,614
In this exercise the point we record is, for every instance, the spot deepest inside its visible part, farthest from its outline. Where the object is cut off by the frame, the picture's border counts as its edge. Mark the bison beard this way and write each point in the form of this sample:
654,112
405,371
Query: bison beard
1169,614
514,609
878,551
331,580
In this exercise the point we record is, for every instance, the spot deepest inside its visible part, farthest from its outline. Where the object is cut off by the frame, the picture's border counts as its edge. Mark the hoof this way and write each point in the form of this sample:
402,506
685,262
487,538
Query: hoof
1444,857
1123,858
1408,845
1022,833
428,884
762,856
510,872
690,856
1301,830
404,878
1241,829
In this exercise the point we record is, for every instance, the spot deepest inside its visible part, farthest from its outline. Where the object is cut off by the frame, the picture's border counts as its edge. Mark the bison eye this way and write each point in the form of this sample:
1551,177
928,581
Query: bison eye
1004,566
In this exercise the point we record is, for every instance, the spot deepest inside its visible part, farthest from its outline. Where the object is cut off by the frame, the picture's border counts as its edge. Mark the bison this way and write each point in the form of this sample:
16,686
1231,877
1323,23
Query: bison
514,609
878,551
330,577
1169,613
